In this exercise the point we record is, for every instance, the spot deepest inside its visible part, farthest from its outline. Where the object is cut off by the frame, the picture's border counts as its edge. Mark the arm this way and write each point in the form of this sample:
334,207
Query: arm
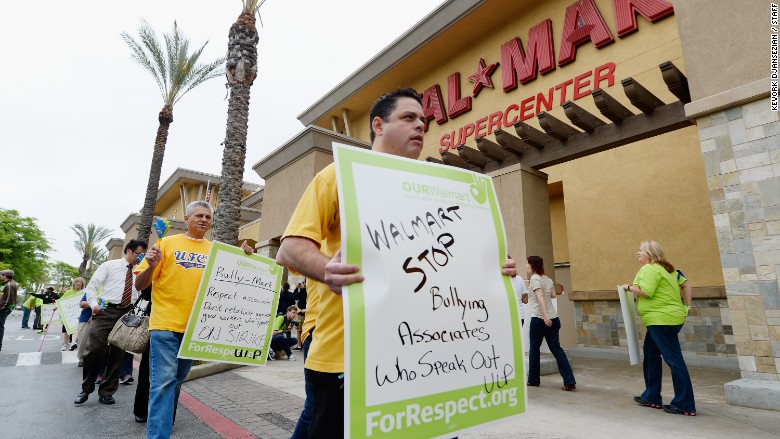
540,298
636,290
303,255
687,292
144,278
95,285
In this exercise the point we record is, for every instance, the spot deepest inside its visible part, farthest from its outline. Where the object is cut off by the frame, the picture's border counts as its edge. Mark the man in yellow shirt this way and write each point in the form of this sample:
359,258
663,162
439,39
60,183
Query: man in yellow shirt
311,246
175,265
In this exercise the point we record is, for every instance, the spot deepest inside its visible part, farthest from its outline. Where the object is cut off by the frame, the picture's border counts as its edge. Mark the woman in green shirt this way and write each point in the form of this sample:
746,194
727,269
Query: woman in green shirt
656,287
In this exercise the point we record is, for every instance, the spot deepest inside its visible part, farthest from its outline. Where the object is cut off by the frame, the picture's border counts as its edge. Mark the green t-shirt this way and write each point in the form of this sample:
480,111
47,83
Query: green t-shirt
664,306
279,323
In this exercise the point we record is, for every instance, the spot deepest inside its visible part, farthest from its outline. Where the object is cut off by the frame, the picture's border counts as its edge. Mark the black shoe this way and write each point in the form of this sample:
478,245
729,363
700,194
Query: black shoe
81,363
106,399
81,398
74,346
139,419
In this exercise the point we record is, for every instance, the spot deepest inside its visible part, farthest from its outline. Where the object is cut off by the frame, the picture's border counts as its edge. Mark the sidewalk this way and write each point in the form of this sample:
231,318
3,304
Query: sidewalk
268,400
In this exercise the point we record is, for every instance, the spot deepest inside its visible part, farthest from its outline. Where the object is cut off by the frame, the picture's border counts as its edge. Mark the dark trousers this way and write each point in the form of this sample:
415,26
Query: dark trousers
95,350
327,391
25,317
3,315
538,332
37,321
302,426
662,341
283,342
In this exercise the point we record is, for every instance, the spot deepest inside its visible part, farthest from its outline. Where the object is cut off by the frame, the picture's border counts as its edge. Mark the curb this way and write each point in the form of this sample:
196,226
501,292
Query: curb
204,370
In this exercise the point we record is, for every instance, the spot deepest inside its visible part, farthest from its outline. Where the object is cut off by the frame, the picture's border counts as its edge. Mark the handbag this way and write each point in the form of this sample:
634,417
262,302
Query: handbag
131,332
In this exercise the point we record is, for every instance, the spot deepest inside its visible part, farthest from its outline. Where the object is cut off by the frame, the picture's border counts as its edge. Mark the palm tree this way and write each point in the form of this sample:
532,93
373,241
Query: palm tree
241,71
88,243
176,71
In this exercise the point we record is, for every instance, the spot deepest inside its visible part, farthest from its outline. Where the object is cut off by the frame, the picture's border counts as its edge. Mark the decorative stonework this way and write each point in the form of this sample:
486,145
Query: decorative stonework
741,151
707,330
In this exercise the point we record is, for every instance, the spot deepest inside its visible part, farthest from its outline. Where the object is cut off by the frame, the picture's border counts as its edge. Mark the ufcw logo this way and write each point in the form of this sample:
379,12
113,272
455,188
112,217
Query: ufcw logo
189,260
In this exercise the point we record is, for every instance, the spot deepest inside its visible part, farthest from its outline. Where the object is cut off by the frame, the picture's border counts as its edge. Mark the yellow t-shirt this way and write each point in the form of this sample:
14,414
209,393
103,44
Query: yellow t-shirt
176,279
317,218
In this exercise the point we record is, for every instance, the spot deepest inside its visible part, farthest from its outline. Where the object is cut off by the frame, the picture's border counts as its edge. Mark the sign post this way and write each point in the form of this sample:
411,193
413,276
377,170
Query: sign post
231,319
432,339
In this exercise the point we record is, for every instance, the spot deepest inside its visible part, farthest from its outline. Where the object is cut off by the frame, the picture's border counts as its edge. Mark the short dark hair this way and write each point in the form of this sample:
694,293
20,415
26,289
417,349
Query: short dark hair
134,244
385,105
292,308
537,264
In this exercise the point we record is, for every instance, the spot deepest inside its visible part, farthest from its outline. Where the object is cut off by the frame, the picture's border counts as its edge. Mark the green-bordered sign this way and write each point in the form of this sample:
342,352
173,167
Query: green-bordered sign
69,309
432,339
232,317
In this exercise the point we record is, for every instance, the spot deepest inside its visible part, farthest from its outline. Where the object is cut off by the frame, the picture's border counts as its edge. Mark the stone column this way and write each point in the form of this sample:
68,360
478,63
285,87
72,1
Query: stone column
525,206
740,145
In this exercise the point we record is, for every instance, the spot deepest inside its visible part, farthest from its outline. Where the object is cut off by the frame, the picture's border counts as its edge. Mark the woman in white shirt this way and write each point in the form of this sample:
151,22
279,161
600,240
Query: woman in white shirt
545,325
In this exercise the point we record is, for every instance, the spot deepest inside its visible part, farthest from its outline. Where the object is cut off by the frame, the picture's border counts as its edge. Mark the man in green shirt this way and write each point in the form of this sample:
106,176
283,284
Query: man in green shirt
282,339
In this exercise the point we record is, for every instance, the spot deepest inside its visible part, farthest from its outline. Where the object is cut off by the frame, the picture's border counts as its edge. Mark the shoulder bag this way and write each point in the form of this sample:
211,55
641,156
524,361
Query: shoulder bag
131,332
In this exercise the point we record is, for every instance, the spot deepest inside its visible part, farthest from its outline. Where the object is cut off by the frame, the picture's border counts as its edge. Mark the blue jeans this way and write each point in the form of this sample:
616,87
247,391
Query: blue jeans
662,341
166,373
538,332
283,342
25,318
302,427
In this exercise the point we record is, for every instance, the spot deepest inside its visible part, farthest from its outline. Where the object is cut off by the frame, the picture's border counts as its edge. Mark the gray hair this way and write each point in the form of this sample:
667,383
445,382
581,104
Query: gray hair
199,203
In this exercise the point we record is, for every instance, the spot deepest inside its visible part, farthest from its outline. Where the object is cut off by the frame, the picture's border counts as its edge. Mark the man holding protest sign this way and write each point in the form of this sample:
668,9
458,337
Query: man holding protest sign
114,281
311,246
175,266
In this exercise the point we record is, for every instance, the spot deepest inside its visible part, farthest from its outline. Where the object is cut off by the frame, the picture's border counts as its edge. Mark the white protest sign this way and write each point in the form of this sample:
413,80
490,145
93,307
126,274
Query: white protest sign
49,311
628,308
232,317
69,310
432,340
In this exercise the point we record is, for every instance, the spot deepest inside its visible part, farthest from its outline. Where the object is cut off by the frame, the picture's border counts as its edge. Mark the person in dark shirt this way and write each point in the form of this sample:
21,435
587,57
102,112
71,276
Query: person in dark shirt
285,299
48,296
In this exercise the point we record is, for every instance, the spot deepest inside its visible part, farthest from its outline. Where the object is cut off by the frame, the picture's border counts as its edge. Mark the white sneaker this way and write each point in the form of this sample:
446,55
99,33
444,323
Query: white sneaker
271,355
64,347
291,357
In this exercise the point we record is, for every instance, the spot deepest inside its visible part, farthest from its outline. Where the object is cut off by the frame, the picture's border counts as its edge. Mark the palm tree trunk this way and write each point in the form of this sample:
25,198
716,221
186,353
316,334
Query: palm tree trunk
83,265
147,213
241,72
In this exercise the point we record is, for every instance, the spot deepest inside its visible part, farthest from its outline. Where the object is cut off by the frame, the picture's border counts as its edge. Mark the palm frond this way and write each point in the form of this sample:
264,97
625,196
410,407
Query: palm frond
173,67
253,6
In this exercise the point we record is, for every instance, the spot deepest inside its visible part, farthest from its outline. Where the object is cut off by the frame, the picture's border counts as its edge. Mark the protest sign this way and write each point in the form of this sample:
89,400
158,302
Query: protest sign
49,311
231,319
628,309
432,340
69,310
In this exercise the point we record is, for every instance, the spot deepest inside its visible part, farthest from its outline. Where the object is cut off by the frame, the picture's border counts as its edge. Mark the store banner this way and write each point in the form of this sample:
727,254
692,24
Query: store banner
69,310
432,339
232,317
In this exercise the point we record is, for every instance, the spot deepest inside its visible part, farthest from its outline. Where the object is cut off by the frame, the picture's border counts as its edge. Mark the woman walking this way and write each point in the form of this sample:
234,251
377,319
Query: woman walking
545,325
656,287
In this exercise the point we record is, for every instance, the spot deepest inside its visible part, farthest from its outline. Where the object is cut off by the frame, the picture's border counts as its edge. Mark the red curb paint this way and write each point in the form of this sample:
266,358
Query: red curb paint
220,424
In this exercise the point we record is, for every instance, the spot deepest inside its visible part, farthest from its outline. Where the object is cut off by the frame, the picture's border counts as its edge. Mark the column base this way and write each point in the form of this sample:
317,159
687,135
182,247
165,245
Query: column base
753,393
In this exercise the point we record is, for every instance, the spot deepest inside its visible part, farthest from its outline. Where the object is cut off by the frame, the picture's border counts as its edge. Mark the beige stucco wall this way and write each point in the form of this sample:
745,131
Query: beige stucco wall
560,234
655,189
709,49
283,190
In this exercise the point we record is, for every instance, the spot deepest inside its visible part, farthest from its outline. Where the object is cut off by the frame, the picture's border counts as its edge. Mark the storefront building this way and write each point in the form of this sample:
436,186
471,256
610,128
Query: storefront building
589,163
